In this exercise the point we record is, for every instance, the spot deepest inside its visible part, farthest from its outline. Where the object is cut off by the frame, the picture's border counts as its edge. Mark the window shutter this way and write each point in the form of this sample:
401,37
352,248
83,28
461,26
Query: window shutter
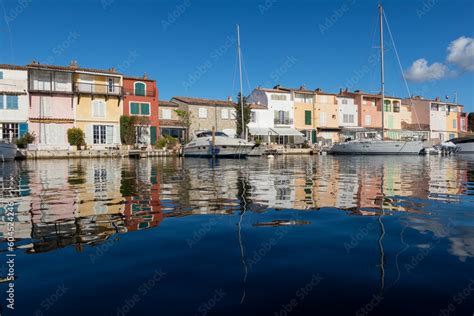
23,129
109,134
1,100
153,135
139,89
134,108
145,109
307,117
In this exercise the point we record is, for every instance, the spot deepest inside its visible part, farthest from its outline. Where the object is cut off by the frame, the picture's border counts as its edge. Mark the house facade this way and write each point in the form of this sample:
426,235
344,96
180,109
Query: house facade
99,106
14,102
327,116
170,122
304,114
140,99
52,105
207,114
441,117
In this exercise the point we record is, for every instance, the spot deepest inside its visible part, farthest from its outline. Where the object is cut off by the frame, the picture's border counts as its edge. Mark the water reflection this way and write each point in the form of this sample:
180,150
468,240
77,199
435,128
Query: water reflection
84,202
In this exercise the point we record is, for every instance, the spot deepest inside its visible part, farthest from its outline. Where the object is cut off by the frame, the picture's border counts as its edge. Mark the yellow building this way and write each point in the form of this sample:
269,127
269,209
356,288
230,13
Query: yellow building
452,114
304,116
392,118
327,116
99,106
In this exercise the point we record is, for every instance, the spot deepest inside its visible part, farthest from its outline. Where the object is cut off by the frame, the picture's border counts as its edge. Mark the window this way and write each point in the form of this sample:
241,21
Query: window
344,101
322,119
1,74
368,120
12,102
307,117
323,99
463,124
278,97
103,134
166,114
225,114
387,106
98,108
253,117
303,98
140,88
364,102
10,131
455,123
2,96
202,113
396,107
62,81
45,106
348,118
434,107
42,80
111,85
139,108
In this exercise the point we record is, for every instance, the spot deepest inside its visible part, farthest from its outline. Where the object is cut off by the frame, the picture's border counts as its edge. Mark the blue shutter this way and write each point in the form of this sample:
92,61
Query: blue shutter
1,100
23,129
12,102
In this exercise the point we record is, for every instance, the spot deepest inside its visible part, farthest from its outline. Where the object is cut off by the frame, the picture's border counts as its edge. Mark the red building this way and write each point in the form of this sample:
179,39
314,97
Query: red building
141,100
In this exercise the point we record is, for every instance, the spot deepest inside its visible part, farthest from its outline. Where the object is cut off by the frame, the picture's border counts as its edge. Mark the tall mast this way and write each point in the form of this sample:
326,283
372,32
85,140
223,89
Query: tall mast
241,89
382,71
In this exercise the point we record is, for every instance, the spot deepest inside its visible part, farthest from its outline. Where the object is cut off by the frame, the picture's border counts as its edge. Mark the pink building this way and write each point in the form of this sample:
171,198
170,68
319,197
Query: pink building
51,111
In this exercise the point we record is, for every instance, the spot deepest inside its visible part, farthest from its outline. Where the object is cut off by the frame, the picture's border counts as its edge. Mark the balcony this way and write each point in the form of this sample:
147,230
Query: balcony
98,89
283,121
139,93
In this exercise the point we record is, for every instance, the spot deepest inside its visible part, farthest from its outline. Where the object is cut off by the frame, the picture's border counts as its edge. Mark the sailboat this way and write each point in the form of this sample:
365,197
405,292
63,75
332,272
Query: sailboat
218,144
381,146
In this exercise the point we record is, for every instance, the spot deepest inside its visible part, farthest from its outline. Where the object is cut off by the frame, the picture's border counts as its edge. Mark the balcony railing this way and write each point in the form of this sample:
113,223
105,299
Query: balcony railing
93,88
283,121
141,93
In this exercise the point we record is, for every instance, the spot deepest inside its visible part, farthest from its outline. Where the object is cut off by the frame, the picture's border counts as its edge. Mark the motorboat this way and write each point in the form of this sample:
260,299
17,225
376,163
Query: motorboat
217,144
377,147
464,145
7,151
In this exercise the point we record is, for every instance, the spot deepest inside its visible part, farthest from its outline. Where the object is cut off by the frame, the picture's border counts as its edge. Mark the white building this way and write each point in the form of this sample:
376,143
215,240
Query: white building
348,112
14,103
272,116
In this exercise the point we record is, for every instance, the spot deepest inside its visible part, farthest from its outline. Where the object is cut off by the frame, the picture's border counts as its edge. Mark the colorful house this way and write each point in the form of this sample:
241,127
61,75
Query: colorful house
327,116
207,114
13,102
52,104
170,123
304,114
99,106
140,99
442,117
463,119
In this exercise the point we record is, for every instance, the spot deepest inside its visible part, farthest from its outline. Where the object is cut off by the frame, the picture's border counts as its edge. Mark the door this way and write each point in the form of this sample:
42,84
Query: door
153,135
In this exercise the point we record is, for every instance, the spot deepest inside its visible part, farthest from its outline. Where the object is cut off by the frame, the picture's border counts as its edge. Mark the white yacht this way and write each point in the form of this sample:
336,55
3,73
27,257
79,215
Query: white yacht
374,146
7,151
222,146
464,145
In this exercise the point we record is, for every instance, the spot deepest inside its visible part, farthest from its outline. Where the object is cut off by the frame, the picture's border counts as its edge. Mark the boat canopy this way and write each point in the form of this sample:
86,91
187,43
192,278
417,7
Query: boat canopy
262,131
258,131
287,132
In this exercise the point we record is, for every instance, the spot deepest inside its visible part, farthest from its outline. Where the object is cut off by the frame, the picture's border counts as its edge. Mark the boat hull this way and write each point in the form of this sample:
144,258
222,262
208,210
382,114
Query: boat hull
465,148
218,151
7,151
377,148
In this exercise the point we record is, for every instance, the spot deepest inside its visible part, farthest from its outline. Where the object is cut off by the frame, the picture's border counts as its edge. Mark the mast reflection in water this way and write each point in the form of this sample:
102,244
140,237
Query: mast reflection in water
257,229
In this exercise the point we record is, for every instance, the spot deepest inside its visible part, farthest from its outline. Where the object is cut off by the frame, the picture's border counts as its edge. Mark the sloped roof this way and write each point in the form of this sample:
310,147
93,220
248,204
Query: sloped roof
205,102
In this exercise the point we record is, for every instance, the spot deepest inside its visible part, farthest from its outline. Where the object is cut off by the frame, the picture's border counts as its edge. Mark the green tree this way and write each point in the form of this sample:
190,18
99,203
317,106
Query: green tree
76,137
238,115
470,120
185,121
128,126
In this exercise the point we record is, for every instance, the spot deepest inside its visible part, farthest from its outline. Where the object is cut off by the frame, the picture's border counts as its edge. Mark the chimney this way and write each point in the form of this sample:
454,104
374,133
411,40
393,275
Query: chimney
340,91
229,98
112,69
302,87
276,87
35,62
73,64
347,90
358,91
438,99
319,90
145,76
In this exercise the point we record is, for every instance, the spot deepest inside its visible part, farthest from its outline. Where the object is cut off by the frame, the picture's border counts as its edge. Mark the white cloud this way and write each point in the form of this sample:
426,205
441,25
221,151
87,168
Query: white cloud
420,71
461,53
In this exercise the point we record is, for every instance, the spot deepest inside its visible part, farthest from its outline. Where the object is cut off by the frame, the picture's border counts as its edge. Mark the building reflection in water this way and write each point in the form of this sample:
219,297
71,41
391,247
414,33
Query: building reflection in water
78,202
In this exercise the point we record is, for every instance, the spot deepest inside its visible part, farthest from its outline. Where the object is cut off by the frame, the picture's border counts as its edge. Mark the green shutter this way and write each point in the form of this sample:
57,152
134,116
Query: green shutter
145,109
307,117
153,135
313,136
134,108
139,88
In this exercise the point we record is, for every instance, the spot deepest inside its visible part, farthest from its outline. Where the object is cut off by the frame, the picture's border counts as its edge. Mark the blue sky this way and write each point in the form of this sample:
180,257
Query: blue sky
189,46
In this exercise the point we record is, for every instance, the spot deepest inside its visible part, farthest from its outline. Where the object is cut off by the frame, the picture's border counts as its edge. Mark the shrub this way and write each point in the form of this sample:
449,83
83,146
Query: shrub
76,136
27,138
166,141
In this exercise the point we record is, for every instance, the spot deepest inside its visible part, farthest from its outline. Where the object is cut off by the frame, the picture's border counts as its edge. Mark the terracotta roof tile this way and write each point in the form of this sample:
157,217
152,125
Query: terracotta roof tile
71,69
200,101
167,103
13,67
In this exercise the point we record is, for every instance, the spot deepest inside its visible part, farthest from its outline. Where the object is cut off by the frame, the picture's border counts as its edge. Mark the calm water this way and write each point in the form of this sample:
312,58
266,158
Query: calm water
289,236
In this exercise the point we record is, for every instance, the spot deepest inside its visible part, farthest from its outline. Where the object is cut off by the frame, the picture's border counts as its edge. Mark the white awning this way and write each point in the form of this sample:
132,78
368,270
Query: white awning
261,131
287,132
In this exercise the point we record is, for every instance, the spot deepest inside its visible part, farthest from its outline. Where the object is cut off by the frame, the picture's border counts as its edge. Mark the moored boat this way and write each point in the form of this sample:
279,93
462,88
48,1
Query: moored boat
464,145
7,151
377,147
219,145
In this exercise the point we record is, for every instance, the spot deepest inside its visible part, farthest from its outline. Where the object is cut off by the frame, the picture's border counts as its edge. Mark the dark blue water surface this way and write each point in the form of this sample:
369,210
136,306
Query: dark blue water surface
286,236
